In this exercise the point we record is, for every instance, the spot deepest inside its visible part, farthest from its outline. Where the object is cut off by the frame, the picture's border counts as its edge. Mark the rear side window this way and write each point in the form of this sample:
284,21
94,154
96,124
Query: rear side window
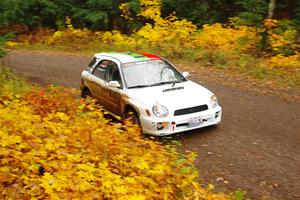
91,63
100,69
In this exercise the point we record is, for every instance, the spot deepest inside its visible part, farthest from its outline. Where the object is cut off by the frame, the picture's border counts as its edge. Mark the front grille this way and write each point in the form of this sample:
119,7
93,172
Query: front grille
190,110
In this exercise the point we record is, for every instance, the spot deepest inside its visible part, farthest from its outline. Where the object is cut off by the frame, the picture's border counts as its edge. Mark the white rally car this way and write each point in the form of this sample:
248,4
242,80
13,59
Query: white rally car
150,91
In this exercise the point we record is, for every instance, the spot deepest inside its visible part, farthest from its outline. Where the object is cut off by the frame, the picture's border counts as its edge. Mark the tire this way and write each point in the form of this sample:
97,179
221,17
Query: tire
86,93
132,116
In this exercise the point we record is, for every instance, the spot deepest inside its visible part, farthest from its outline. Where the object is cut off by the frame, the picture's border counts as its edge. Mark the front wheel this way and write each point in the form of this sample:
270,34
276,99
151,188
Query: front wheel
132,116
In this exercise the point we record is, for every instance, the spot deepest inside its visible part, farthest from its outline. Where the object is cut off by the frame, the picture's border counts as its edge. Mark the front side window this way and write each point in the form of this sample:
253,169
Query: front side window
150,73
113,74
100,69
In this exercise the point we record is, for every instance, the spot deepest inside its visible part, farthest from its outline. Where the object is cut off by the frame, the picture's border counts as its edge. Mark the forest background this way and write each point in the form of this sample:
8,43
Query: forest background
259,37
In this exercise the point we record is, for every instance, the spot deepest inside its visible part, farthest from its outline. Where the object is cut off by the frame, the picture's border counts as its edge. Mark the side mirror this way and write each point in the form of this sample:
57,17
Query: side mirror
185,74
114,84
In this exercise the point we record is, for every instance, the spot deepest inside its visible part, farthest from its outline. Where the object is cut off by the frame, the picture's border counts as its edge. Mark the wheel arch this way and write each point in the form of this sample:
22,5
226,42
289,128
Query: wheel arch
84,90
128,107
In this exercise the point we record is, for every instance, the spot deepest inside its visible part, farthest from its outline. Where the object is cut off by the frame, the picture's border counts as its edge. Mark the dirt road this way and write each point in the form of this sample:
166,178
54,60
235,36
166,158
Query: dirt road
256,147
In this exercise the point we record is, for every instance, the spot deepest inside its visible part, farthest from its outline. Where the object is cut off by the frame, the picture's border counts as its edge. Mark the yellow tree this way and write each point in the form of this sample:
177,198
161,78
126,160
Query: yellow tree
151,9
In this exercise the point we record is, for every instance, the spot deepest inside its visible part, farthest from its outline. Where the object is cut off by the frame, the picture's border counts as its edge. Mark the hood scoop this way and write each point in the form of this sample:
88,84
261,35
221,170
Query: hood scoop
173,89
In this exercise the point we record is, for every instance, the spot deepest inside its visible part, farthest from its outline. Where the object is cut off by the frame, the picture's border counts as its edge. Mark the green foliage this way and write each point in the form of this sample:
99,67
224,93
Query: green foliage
253,11
4,12
95,13
106,14
259,72
238,195
102,14
34,13
134,6
199,12
296,13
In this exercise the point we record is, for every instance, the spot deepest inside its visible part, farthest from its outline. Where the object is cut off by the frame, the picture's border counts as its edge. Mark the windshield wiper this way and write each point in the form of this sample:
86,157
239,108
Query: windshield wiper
167,82
162,83
156,84
139,86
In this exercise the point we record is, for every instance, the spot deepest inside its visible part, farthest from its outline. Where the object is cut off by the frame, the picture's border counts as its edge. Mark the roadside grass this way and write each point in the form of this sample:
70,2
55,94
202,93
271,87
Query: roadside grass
56,146
11,85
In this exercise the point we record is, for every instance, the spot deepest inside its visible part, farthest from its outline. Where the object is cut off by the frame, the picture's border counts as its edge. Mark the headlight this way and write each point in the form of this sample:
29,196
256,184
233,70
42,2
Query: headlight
160,111
213,101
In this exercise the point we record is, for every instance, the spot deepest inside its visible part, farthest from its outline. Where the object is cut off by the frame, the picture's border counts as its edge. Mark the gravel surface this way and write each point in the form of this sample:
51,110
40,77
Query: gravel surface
255,148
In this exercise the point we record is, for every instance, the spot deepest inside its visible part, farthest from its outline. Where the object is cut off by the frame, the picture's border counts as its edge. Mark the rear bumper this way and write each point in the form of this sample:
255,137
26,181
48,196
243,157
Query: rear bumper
175,124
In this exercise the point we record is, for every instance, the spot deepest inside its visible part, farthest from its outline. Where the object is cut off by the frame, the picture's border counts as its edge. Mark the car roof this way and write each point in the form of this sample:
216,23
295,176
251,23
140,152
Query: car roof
126,57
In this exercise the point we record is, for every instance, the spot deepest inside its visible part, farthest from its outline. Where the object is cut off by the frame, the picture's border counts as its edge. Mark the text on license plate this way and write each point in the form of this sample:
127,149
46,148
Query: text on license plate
194,121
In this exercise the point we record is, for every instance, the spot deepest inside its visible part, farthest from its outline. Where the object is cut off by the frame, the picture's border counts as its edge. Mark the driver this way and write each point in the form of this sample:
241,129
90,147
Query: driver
104,64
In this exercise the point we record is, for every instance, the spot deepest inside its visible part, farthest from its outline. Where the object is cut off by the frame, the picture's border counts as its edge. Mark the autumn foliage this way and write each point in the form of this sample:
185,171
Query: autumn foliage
271,48
56,146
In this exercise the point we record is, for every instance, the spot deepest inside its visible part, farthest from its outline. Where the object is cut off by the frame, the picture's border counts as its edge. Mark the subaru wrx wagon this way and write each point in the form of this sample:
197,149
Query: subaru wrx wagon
150,91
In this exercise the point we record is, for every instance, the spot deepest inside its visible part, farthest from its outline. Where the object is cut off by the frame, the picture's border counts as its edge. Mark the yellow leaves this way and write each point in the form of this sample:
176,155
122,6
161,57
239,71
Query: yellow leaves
70,34
11,44
125,9
227,39
141,164
202,193
48,182
130,180
9,140
89,167
71,152
61,164
151,9
117,38
69,23
133,197
4,169
86,176
33,168
270,23
167,30
210,187
287,62
51,145
62,116
58,34
285,40
158,169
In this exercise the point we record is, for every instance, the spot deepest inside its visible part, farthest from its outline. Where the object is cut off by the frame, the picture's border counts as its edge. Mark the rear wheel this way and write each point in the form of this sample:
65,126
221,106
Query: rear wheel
86,93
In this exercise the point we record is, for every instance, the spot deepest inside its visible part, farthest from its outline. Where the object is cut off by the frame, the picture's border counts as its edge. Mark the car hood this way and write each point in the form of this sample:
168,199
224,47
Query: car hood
181,95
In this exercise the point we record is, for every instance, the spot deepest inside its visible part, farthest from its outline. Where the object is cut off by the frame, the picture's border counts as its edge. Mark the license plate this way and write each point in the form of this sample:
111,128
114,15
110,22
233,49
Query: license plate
194,121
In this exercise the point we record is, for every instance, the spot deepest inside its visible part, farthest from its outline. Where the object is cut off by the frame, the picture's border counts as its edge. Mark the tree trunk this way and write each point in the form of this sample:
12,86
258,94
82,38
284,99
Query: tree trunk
272,5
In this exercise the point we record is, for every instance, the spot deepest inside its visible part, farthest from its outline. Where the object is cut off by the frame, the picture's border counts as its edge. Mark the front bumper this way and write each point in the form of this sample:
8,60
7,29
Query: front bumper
174,124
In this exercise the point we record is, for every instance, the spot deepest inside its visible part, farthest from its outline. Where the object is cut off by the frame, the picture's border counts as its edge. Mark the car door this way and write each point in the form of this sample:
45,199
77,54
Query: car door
113,95
97,81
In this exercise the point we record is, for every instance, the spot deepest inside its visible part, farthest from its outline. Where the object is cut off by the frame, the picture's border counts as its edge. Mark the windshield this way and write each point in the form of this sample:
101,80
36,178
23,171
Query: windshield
150,73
